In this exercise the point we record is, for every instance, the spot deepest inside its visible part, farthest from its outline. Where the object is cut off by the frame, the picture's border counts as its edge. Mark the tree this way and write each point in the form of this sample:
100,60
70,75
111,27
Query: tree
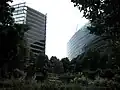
23,55
103,16
6,18
40,61
55,65
42,64
104,21
66,64
11,34
6,22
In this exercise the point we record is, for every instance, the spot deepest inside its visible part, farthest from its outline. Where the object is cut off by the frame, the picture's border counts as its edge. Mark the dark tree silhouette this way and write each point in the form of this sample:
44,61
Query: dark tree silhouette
103,15
10,36
66,64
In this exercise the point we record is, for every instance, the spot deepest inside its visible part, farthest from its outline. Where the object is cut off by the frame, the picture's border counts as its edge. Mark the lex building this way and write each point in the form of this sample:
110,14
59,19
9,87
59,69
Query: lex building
36,35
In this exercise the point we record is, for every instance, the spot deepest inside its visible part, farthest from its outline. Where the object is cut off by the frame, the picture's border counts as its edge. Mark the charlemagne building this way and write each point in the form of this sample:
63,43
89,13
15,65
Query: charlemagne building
82,40
36,36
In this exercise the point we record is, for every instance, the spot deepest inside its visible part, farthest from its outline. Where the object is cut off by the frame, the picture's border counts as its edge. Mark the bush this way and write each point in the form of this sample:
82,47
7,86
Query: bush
78,82
29,85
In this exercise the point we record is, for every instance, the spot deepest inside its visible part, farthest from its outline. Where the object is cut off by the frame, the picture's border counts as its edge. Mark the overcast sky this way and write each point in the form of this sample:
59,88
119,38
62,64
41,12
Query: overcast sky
63,20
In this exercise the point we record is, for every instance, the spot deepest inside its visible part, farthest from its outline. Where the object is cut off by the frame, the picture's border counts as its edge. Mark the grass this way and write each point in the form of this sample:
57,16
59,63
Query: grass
46,85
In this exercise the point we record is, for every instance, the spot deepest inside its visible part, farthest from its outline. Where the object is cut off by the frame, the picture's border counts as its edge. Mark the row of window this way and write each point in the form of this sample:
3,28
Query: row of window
37,31
20,10
77,49
36,12
38,15
35,22
36,27
36,18
37,47
79,42
36,50
32,34
19,5
19,19
32,41
20,22
19,15
78,36
86,39
41,42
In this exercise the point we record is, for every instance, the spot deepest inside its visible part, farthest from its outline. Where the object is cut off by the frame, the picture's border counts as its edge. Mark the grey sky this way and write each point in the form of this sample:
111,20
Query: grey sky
62,20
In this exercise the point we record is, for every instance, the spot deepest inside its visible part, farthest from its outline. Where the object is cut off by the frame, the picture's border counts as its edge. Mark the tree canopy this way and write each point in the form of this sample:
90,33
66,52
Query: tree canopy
103,15
6,18
11,35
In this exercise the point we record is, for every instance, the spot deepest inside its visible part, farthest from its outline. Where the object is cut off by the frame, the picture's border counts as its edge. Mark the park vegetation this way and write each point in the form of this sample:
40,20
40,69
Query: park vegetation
95,68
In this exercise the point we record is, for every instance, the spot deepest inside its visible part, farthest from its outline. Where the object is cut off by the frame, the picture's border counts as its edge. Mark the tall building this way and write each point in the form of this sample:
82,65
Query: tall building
81,41
36,36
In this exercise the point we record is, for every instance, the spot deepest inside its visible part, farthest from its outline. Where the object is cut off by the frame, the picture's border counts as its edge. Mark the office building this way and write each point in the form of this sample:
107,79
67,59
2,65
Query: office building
81,41
36,35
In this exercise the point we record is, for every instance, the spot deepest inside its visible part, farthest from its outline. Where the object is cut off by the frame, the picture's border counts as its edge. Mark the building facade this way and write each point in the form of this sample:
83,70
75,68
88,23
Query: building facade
81,41
36,35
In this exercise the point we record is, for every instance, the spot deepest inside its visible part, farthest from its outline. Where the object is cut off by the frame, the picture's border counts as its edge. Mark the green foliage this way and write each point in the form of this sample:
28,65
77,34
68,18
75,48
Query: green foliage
103,16
40,61
56,65
12,41
6,18
31,85
78,83
89,60
66,64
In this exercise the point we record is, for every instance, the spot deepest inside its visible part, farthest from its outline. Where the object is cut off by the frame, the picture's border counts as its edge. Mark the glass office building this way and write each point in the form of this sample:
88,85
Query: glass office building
81,41
36,36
